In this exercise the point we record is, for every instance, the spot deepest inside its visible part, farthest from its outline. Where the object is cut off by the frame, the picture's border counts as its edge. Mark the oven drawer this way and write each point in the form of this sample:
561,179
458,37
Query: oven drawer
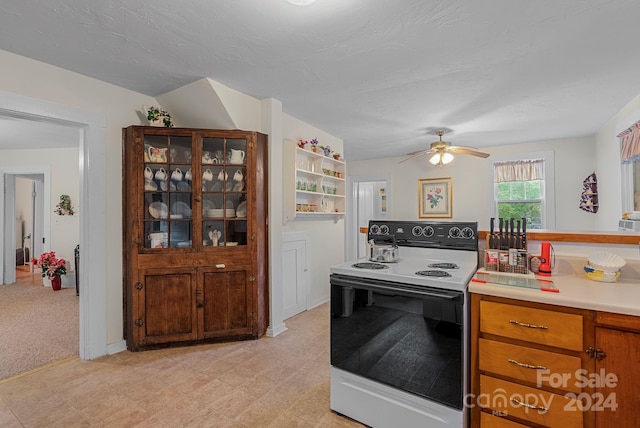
526,364
541,326
529,404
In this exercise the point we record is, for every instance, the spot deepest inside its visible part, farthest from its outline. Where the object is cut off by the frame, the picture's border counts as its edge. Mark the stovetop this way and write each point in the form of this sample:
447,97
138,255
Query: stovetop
420,245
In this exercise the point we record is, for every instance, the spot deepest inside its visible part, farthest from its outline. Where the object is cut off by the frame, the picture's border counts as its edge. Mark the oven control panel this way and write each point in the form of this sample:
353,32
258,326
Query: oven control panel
427,234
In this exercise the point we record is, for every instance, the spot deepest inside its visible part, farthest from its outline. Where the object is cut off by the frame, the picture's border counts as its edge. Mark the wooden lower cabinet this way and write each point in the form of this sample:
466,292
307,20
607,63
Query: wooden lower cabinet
527,360
187,305
618,364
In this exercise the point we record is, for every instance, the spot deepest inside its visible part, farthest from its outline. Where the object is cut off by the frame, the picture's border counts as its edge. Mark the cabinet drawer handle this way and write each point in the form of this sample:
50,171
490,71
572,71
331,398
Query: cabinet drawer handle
526,366
529,406
524,324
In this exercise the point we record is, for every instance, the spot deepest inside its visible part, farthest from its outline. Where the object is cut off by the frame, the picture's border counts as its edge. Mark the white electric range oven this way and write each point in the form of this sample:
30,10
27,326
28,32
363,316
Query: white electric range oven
399,331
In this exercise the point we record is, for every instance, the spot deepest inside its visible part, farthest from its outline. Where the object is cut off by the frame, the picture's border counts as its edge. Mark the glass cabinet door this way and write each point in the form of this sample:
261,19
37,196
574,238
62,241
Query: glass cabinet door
224,191
168,190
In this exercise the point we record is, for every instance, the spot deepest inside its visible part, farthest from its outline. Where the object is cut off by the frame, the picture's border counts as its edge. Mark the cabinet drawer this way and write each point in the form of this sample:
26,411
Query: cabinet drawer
489,421
529,404
528,364
550,328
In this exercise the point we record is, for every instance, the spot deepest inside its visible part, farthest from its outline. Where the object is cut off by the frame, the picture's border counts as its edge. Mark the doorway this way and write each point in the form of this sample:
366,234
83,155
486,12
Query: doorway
369,198
29,214
89,131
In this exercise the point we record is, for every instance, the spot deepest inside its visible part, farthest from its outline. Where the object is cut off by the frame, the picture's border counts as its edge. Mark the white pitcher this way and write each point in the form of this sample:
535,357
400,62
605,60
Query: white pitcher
237,156
156,154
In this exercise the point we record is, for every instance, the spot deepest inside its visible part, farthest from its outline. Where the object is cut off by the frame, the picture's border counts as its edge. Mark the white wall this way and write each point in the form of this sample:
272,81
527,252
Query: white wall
65,179
472,194
608,160
119,106
326,235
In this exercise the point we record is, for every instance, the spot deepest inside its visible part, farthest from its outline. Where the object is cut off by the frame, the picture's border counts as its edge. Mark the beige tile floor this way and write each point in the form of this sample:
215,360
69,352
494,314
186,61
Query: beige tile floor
275,382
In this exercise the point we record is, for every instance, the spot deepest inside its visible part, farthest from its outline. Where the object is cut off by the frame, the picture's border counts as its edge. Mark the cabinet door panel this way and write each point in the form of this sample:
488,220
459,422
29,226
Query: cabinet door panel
167,307
622,354
227,303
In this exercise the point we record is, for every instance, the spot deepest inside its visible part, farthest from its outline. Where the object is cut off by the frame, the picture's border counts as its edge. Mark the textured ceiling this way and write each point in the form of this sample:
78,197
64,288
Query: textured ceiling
382,75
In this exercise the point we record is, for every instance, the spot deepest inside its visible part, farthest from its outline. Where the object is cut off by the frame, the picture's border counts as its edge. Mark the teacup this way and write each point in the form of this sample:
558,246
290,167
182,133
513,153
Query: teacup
176,175
148,174
187,175
207,175
161,174
222,176
238,176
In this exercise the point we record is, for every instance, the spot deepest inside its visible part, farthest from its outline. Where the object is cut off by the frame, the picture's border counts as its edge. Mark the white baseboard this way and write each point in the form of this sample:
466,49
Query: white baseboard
319,302
274,331
114,348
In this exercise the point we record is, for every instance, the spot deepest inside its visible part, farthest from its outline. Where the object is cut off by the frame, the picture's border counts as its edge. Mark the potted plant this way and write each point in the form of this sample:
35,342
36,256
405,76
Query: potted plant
158,117
52,268
314,145
302,143
336,155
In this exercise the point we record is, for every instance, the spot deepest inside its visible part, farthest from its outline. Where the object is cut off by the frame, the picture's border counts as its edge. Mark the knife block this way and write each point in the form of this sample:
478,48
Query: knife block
509,261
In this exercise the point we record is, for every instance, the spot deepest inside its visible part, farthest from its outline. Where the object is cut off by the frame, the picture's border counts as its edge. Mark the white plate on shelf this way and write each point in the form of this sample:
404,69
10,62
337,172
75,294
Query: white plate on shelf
158,210
231,244
238,186
241,211
181,208
208,205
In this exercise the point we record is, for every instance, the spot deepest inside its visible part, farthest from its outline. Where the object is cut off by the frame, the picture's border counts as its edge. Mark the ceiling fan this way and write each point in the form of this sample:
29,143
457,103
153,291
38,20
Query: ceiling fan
442,152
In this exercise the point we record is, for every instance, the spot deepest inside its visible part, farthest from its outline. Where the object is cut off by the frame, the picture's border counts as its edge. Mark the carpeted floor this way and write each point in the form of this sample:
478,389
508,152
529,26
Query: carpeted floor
38,326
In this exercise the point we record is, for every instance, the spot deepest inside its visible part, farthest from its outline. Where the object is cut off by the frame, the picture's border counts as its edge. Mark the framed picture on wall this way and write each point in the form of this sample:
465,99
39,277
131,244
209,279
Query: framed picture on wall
434,198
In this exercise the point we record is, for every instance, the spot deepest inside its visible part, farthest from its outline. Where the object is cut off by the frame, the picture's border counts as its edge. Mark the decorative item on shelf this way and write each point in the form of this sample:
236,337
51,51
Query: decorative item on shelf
64,207
302,143
52,268
326,150
336,155
159,117
314,145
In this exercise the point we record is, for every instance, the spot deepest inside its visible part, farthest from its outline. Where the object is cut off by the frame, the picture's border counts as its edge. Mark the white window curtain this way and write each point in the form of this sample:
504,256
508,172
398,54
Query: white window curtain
520,170
630,143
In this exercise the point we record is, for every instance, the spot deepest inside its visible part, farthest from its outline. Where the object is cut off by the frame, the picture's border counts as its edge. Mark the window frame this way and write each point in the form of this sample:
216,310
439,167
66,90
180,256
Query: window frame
548,192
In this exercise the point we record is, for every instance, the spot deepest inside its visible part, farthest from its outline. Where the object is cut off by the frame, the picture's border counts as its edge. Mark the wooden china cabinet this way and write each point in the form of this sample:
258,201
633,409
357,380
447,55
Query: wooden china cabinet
194,235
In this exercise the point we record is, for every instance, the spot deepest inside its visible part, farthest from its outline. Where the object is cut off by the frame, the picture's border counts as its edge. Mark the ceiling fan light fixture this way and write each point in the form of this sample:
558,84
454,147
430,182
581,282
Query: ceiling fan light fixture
441,158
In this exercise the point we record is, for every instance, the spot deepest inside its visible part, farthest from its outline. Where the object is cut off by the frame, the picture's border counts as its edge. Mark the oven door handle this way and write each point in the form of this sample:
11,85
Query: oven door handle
370,285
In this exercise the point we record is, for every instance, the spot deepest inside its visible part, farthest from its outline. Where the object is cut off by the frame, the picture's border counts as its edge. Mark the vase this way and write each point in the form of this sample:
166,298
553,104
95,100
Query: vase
56,283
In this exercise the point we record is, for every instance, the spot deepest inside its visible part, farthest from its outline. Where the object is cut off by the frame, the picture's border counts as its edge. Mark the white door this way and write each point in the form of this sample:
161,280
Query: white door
294,277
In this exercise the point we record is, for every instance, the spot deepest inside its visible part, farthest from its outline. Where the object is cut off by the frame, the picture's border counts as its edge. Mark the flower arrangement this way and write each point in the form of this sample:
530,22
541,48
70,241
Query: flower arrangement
434,199
314,145
155,114
51,265
64,206
302,143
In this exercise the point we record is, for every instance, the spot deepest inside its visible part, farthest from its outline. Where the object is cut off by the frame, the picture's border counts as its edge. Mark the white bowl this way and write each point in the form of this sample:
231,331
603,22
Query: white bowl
606,261
230,212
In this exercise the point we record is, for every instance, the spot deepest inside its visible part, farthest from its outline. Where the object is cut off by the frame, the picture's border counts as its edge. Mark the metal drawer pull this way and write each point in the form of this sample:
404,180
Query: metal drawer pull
526,366
529,406
523,324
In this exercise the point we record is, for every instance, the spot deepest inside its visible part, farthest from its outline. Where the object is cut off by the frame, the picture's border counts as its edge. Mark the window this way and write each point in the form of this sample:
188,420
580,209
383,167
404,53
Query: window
519,191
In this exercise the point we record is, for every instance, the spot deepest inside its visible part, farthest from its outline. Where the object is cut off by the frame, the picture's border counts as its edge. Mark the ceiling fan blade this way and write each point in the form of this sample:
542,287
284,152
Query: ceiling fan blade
467,151
416,154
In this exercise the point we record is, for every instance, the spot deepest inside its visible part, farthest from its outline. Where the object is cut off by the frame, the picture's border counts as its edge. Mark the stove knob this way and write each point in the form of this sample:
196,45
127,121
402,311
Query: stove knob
374,229
428,231
384,229
416,231
467,232
454,232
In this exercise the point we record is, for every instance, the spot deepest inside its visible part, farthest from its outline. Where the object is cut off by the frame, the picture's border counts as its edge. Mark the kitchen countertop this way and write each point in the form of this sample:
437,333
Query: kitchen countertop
576,290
